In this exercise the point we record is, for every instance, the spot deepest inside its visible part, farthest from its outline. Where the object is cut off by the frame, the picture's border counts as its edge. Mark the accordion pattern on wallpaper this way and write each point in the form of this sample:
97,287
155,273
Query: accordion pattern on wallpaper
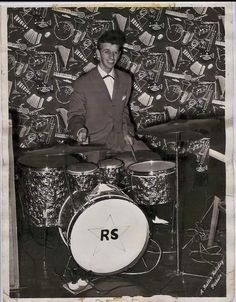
176,57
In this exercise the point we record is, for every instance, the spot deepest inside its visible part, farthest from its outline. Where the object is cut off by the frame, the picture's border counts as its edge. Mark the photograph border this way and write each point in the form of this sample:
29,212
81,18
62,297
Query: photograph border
229,154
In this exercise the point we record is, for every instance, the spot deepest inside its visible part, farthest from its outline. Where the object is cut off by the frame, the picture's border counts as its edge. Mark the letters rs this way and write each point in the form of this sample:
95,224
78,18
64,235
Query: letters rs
105,234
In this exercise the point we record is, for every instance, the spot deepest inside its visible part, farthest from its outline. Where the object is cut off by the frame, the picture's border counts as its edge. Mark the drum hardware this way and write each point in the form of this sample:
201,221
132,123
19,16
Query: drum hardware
153,248
177,131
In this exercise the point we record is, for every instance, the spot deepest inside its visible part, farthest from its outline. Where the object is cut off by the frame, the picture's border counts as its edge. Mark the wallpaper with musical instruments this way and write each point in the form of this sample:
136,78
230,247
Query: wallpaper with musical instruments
175,55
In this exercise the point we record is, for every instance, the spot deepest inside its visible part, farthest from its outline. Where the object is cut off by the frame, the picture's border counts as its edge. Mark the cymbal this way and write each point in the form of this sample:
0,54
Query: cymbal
179,126
63,149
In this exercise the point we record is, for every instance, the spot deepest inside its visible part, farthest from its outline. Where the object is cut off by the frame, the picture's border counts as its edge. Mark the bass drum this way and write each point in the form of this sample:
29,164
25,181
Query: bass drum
106,233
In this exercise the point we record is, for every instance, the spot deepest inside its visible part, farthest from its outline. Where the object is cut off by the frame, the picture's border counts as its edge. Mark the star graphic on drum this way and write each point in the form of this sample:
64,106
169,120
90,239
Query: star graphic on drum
109,234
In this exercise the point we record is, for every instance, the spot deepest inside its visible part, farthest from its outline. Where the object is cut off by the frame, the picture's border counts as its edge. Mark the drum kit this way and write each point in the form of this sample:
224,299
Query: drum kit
103,226
90,203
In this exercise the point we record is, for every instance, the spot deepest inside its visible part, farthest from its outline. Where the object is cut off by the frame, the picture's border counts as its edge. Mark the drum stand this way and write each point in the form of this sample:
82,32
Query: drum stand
178,272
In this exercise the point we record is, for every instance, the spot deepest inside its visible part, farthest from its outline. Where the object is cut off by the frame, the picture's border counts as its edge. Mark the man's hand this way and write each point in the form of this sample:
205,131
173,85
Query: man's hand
82,135
128,139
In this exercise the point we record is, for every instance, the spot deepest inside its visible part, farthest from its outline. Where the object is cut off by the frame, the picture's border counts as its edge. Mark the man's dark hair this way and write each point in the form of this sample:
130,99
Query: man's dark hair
113,37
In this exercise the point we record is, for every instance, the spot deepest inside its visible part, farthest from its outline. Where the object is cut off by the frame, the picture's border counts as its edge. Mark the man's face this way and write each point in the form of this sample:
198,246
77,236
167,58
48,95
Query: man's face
108,55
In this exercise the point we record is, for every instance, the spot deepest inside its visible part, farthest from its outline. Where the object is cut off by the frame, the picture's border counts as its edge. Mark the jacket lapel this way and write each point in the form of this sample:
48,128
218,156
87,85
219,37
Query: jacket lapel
99,82
116,89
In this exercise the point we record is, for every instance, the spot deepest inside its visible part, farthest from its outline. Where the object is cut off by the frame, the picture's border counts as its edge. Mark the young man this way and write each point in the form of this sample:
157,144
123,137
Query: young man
99,103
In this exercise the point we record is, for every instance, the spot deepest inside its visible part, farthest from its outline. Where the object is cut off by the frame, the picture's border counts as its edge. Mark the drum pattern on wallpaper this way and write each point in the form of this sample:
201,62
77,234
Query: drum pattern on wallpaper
175,55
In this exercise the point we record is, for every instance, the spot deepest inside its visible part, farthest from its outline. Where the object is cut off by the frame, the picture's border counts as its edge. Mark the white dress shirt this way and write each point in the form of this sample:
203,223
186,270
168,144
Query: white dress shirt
109,79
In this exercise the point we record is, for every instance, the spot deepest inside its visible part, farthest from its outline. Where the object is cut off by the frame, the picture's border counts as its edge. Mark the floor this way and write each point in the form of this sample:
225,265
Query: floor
46,266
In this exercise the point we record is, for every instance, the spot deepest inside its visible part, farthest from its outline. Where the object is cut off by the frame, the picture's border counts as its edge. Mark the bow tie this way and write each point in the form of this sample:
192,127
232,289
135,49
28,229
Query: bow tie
107,76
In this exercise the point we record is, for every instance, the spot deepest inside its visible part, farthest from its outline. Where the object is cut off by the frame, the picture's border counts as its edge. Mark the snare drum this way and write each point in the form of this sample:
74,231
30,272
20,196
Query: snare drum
45,187
152,182
83,177
111,171
105,235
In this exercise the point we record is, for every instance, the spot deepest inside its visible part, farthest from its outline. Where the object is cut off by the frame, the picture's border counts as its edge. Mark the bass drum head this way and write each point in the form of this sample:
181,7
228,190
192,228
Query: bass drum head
109,236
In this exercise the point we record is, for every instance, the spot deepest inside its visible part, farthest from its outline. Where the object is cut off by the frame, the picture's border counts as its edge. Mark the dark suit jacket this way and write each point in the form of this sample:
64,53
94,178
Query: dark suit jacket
106,119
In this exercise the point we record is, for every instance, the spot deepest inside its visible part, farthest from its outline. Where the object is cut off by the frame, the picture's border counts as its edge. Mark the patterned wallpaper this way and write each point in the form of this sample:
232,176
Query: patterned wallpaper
175,55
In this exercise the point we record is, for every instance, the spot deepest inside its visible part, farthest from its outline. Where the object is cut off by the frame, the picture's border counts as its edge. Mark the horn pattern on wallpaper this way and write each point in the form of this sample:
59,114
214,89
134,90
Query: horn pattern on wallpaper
176,57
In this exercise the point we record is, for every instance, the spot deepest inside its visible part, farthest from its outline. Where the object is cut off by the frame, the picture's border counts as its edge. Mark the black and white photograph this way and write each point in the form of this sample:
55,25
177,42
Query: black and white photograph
118,147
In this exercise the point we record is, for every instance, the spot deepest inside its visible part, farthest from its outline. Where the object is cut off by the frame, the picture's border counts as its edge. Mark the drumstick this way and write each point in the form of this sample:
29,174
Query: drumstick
132,150
217,155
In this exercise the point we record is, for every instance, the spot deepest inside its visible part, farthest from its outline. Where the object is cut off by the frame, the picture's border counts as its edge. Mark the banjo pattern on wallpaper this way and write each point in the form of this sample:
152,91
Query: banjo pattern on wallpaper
176,57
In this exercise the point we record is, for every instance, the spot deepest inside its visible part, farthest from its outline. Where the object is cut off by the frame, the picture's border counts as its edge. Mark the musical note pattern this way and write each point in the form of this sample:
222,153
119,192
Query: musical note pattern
175,55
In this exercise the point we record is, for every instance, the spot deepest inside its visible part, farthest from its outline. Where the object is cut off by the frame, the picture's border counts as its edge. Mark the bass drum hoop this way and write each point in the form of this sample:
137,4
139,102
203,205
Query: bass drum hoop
167,171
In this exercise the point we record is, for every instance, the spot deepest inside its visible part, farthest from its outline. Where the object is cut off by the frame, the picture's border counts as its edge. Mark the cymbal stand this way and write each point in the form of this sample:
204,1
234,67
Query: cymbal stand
177,141
179,272
45,238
